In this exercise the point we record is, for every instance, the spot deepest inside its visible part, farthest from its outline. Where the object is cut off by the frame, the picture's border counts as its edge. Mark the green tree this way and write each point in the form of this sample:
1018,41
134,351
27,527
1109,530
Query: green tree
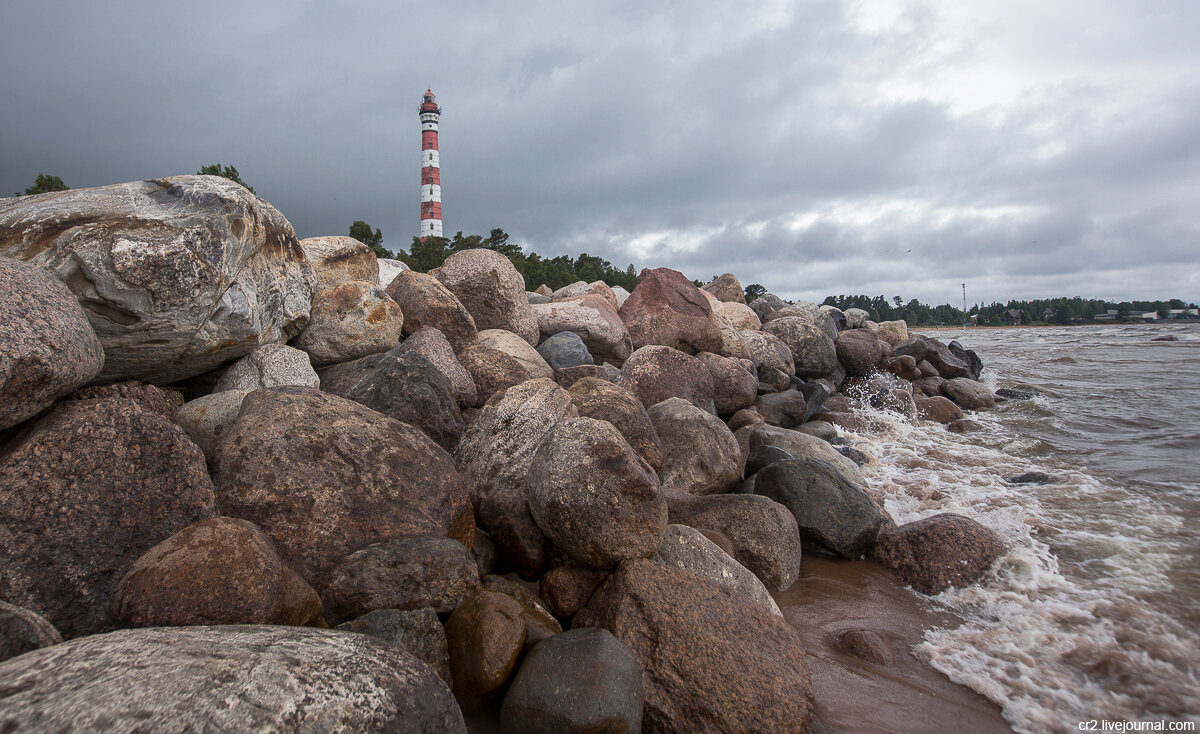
361,231
229,172
46,183
754,290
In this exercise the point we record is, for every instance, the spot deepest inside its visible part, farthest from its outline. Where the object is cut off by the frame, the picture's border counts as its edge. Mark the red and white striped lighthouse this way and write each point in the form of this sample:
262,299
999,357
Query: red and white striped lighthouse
431,171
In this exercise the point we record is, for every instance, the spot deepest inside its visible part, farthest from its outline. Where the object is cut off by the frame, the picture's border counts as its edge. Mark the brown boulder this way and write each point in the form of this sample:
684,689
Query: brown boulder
335,260
700,454
568,376
935,553
711,659
727,288
523,547
666,309
858,350
490,288
492,371
786,409
566,589
937,409
734,387
84,491
349,321
432,345
324,476
904,367
969,394
602,400
426,302
656,373
485,636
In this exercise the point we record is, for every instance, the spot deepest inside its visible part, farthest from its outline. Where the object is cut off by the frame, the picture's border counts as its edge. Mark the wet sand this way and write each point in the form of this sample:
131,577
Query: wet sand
857,695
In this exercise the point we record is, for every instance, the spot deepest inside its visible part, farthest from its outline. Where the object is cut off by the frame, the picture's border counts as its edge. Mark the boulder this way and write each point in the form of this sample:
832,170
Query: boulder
566,589
401,385
858,351
727,288
426,302
804,446
536,298
892,332
540,624
734,387
236,679
484,550
830,510
968,394
576,682
543,290
766,304
656,373
522,546
621,295
744,417
763,532
324,476
349,321
711,659
177,275
499,444
763,456
388,270
968,357
904,367
516,347
433,346
403,573
602,400
207,420
564,349
934,553
700,454
595,288
335,260
856,318
687,548
741,316
47,346
946,363
768,350
485,636
731,344
220,570
162,400
492,371
568,376
813,351
419,631
786,409
270,365
22,630
491,289
594,318
809,312
929,386
594,497
835,313
964,425
666,309
85,490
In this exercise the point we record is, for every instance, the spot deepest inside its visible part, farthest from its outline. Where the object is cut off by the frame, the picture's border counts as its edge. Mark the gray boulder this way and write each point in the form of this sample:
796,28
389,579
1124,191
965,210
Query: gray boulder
207,420
687,548
270,365
830,510
491,289
350,320
564,349
700,454
417,630
812,348
335,260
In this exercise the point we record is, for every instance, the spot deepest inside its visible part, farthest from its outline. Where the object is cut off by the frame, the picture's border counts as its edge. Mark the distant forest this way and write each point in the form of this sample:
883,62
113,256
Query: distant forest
424,255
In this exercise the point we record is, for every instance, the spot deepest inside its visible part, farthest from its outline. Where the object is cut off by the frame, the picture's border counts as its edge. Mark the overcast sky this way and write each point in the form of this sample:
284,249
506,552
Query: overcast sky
1024,147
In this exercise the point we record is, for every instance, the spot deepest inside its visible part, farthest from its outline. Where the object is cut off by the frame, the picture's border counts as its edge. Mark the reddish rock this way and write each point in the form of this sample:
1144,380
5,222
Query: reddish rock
162,400
937,409
426,302
964,425
655,373
540,624
419,631
568,376
734,387
935,553
969,394
711,659
492,371
700,454
485,637
929,386
566,589
745,417
432,345
484,551
858,350
666,309
602,400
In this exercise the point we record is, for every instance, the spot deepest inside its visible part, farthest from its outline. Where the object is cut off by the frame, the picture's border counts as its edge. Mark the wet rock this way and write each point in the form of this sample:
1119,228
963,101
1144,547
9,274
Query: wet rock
335,260
866,644
419,631
591,316
700,454
220,570
324,476
402,573
763,456
47,346
540,624
858,351
1033,477
946,362
491,289
522,545
768,350
968,357
122,479
426,302
388,270
687,548
734,387
485,636
656,373
727,288
162,400
22,631
238,679
711,660
935,553
177,275
964,425
350,321
594,497
804,446
812,349
666,309
904,367
969,395
763,532
937,409
1009,393
564,349
929,386
566,589
785,409
580,681
1165,338
596,398
433,346
270,365
401,385
819,429
830,510
208,419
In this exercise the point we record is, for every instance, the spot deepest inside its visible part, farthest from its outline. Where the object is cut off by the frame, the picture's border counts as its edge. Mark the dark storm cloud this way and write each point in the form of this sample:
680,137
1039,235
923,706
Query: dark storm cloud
818,147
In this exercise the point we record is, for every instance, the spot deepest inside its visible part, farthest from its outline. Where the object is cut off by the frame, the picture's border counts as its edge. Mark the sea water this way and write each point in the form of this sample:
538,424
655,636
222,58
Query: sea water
1093,616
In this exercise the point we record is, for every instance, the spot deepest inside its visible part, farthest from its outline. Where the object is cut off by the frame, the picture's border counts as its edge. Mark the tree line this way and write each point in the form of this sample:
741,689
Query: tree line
1044,310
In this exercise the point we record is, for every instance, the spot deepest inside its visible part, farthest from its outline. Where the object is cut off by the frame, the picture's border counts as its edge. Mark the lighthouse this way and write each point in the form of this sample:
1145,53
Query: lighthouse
431,172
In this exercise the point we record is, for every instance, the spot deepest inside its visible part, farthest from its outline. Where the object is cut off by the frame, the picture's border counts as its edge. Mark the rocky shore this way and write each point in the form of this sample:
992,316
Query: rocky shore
250,482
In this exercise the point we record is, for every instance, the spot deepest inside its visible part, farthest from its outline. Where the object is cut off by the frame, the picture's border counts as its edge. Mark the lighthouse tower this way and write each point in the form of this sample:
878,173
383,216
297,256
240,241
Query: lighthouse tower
431,172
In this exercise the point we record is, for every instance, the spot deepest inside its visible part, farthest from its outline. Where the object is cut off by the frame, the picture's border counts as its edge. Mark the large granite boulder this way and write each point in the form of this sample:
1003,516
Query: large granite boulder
229,679
177,275
741,316
830,510
207,419
766,304
734,386
711,659
595,498
88,488
946,363
564,350
666,309
350,320
893,332
858,350
576,682
786,409
935,553
700,454
656,373
727,288
812,349
220,570
335,260
162,400
969,394
566,589
432,345
419,631
856,318
401,385
516,347
485,636
594,318
270,365
602,400
731,343
324,476
810,312
426,302
689,549
492,371
491,289
47,346
768,350
802,445
22,630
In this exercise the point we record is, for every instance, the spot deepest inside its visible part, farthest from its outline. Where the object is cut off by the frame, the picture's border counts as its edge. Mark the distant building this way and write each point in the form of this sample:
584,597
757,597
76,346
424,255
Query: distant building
1109,315
431,167
1014,316
1184,313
